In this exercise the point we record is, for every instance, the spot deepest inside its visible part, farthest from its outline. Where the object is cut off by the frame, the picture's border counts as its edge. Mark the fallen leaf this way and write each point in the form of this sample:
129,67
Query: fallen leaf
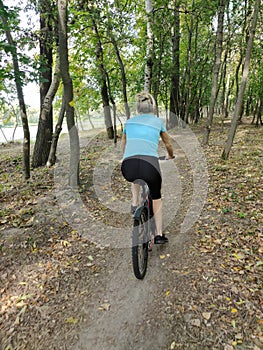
17,320
65,243
172,347
239,256
20,303
233,311
239,336
72,320
195,322
104,307
206,315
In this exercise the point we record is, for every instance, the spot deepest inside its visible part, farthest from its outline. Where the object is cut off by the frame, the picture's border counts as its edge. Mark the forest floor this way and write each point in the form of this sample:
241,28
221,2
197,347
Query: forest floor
66,279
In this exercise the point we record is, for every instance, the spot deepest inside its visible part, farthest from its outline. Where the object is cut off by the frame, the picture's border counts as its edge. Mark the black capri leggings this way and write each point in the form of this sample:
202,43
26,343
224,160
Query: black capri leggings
144,168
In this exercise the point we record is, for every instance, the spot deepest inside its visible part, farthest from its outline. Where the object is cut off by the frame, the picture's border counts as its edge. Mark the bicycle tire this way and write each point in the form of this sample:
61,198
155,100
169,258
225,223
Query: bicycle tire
140,240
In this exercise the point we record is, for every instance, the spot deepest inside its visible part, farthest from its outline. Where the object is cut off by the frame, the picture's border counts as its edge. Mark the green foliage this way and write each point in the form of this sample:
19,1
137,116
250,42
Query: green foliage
123,23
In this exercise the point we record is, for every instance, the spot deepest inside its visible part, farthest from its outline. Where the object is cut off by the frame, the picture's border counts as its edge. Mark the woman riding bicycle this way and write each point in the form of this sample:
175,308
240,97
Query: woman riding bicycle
140,142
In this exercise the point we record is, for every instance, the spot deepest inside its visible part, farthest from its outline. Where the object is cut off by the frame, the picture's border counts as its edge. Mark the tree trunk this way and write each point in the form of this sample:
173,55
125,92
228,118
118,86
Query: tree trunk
45,125
113,108
216,68
123,75
18,82
225,76
103,84
156,81
68,95
187,94
149,47
239,102
175,80
53,150
16,123
42,135
259,113
6,140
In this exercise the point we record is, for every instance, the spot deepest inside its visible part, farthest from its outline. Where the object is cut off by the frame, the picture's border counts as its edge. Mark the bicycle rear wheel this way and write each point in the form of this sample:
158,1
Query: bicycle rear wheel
140,240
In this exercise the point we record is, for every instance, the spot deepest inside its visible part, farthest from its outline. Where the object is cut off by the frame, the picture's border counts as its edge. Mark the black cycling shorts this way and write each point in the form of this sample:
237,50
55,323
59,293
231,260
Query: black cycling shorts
144,168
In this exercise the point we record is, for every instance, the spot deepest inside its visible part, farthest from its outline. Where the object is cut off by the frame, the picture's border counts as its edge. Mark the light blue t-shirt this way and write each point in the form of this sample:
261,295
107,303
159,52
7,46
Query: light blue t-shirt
142,135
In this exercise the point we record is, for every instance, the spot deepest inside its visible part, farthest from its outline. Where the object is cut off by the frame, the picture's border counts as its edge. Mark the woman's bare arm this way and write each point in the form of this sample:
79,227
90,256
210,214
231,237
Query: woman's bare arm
123,142
167,142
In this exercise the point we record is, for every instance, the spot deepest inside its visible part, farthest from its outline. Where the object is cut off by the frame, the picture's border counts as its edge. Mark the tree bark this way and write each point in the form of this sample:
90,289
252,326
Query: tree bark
68,95
53,150
114,108
226,76
45,125
42,137
216,68
149,47
175,80
259,113
185,115
123,76
20,95
239,102
103,84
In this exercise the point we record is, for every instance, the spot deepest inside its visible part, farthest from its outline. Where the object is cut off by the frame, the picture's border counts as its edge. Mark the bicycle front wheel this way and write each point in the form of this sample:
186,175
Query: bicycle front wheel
140,240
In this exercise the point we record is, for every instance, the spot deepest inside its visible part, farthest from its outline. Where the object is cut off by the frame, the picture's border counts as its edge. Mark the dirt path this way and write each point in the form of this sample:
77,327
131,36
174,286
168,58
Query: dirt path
126,313
133,318
133,314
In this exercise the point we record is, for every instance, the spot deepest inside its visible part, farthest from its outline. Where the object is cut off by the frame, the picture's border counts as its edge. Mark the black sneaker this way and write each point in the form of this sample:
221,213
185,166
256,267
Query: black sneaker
160,239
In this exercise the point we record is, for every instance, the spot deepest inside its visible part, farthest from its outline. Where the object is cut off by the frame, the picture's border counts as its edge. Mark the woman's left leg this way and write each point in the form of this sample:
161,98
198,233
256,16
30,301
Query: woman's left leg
135,188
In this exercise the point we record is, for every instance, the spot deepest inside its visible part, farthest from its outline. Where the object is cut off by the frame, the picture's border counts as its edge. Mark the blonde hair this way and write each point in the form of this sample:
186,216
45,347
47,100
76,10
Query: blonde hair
145,103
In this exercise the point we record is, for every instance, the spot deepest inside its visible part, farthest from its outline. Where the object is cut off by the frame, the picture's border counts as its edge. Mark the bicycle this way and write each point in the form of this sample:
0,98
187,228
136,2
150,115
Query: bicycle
143,230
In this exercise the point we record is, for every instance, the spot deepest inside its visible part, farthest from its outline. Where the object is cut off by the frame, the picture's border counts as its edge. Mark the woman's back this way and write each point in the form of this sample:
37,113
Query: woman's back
142,135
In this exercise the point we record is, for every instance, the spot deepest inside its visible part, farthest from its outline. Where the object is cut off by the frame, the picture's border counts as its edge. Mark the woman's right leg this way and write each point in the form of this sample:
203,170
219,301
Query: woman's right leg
158,215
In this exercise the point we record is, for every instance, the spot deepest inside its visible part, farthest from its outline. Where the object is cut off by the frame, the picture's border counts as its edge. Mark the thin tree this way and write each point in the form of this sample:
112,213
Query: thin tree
149,47
47,106
239,102
104,88
123,73
216,69
53,150
19,89
68,94
175,77
258,113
